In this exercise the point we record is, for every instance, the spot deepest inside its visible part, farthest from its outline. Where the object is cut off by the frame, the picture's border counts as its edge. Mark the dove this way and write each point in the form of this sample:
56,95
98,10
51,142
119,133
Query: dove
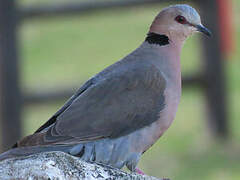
122,111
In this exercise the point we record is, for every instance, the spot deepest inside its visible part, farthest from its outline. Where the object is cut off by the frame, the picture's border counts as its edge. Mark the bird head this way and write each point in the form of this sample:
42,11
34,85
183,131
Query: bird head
178,22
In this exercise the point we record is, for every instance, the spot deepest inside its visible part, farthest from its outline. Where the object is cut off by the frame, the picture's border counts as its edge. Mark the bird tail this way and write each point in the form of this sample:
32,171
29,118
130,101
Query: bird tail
29,150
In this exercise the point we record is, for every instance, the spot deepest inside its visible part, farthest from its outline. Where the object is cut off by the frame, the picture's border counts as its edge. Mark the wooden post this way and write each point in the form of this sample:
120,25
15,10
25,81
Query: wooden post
10,96
214,70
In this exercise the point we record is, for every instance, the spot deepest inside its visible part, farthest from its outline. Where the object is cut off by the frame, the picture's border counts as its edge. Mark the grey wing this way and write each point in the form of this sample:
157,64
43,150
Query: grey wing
53,119
112,107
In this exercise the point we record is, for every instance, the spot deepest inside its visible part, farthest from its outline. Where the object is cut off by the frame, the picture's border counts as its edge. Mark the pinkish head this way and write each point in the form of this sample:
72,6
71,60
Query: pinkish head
178,22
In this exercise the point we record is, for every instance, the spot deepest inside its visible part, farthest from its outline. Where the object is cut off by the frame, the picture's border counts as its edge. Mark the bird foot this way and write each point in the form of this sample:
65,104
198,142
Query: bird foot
138,171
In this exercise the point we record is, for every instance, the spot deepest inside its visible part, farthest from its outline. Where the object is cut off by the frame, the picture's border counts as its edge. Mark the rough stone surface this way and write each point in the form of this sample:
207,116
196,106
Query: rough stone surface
60,166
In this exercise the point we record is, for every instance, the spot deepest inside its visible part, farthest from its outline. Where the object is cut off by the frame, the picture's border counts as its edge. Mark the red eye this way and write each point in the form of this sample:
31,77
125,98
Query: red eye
181,20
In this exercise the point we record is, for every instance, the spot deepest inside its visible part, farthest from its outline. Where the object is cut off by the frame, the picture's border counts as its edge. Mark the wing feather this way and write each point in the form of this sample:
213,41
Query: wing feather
114,106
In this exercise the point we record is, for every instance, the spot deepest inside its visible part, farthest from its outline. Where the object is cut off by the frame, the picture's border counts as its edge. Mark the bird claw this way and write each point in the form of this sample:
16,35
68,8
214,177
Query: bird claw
138,171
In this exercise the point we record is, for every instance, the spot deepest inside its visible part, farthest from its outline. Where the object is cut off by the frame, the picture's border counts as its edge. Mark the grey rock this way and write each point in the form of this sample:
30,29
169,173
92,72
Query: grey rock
60,166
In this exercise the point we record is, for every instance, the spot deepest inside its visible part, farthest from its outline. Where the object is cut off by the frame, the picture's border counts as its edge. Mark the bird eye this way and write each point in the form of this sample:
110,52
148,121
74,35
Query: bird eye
181,19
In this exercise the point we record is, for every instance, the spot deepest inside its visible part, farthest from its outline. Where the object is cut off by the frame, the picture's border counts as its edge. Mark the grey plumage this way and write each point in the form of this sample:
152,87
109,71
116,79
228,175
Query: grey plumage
113,91
132,99
119,113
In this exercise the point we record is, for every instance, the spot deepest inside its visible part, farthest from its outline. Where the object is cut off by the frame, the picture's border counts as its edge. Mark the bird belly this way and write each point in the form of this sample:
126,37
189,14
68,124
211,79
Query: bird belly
153,132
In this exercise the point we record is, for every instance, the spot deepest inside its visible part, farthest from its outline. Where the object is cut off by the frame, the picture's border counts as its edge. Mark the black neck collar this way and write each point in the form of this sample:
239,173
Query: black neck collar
159,39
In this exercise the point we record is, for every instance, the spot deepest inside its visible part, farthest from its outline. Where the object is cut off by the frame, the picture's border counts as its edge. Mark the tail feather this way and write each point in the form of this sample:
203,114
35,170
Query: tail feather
25,151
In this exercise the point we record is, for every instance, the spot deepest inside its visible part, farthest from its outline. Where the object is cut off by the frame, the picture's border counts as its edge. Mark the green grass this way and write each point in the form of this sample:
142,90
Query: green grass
66,51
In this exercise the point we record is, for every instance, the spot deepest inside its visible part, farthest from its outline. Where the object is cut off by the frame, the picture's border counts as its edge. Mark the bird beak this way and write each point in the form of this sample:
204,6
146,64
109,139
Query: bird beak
204,30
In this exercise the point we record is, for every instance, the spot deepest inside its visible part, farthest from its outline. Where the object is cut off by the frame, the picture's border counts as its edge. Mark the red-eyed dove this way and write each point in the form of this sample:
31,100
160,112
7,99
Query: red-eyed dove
122,111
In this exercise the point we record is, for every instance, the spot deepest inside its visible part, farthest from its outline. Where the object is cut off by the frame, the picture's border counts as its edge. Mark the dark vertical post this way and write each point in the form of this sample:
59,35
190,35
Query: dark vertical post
10,96
214,70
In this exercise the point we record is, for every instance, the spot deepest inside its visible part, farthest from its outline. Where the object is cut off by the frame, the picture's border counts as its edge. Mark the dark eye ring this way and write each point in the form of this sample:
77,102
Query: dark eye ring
181,19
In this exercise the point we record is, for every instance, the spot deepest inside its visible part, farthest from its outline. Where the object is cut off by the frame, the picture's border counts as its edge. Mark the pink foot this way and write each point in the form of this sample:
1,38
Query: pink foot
139,171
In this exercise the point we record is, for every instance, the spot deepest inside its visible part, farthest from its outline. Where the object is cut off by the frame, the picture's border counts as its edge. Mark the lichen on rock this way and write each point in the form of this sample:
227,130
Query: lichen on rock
60,166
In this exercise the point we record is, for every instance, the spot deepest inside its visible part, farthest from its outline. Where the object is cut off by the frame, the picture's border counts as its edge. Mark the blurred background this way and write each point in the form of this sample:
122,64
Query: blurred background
49,48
